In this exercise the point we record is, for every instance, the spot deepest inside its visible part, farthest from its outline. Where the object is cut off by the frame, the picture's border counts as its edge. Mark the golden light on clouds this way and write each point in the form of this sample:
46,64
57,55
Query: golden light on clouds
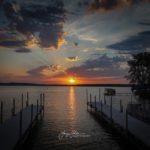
73,59
32,42
100,49
61,41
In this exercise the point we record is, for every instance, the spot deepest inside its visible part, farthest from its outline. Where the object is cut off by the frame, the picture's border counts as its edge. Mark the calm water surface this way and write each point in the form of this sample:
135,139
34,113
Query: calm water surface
65,109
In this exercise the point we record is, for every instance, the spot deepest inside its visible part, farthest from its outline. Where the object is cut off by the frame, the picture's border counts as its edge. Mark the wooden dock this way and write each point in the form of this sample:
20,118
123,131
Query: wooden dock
14,131
121,119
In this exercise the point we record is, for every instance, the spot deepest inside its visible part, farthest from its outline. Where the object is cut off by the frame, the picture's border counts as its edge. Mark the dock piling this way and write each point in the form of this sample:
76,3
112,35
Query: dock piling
87,95
99,94
104,100
40,99
40,104
121,106
14,107
37,105
111,107
131,99
101,106
43,103
95,104
27,102
20,124
1,119
22,101
91,101
126,120
31,113
87,98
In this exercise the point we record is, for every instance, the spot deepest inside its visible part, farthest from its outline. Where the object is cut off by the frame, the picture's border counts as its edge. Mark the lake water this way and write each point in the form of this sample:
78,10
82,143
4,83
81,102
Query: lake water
66,110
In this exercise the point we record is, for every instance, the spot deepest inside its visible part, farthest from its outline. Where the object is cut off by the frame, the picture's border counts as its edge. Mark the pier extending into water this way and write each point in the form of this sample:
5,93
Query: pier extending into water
137,131
15,130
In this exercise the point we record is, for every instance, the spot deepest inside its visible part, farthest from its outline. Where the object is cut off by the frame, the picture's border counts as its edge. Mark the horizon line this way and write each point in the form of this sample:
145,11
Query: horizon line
43,84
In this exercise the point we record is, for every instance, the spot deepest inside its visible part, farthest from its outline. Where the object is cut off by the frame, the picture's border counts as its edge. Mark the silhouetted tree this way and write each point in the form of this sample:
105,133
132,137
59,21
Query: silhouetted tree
139,72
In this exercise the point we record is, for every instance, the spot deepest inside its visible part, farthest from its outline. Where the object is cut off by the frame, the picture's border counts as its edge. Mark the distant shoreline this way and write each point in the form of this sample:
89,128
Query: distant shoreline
34,84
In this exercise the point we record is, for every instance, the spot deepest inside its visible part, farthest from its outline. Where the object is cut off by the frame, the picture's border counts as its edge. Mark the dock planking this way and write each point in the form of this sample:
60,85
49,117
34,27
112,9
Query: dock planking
12,131
137,128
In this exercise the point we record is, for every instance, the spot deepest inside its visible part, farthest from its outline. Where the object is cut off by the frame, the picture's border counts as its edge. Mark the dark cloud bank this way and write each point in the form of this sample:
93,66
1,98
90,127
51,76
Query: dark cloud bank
139,42
41,21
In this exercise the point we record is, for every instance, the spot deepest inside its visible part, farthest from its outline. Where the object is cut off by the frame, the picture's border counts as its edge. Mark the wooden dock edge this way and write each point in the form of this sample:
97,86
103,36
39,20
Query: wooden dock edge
24,138
100,116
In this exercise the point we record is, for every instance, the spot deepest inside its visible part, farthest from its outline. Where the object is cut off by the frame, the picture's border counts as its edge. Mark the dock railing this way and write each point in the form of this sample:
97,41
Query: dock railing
121,119
13,130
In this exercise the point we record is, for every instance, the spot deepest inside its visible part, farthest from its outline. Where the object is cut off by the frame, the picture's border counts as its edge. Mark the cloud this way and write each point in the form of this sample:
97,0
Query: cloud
73,59
37,72
134,43
100,49
12,44
42,21
148,49
56,68
23,50
107,5
44,71
145,23
103,66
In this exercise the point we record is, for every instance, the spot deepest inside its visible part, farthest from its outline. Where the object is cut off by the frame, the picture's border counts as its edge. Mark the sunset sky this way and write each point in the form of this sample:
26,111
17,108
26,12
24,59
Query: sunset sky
53,41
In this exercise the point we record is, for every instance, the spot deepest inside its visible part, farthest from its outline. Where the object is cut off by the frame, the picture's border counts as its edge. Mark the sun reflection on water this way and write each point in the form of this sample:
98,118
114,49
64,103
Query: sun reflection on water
72,105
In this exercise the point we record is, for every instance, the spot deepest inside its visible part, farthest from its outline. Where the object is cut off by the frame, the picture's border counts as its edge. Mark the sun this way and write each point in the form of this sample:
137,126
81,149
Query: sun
72,80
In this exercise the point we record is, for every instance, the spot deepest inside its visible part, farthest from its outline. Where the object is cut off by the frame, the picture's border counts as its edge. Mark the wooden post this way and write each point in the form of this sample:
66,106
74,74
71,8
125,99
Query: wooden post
111,107
40,105
121,107
95,104
14,107
132,105
31,113
87,95
99,94
22,101
126,120
101,106
91,101
41,97
90,98
37,106
27,102
131,99
43,103
20,124
87,98
1,112
104,100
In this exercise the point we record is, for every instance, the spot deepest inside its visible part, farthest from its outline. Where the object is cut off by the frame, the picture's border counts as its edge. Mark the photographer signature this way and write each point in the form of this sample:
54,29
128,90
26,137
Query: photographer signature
72,134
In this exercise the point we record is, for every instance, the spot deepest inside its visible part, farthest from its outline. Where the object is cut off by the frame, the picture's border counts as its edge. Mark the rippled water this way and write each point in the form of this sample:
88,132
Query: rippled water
65,109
